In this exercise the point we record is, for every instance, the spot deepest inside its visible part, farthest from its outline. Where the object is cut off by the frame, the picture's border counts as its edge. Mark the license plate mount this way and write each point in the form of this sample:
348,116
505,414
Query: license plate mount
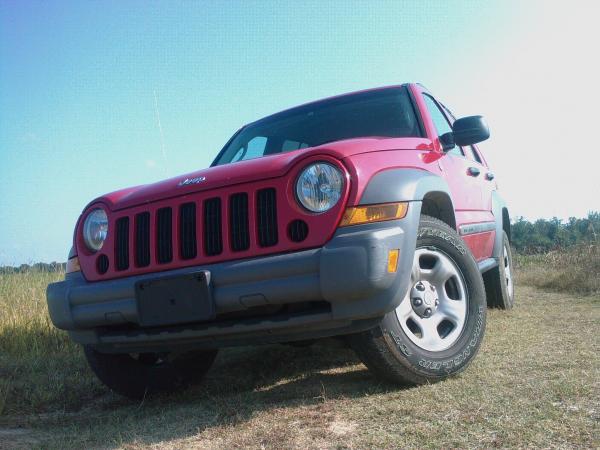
175,299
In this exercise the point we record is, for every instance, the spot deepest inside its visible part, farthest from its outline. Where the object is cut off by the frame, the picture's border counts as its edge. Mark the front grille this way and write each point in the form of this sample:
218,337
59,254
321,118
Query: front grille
122,243
266,211
164,235
213,239
238,222
198,229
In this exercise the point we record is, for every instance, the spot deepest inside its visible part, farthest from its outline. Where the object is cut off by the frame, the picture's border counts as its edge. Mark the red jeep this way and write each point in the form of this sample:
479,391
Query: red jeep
370,215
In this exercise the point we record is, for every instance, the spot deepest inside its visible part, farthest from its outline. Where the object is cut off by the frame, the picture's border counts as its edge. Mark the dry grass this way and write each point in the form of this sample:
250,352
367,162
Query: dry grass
534,384
39,365
575,270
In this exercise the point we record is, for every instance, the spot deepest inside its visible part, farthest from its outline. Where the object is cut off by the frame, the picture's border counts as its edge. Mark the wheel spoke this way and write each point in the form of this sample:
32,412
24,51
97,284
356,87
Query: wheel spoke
431,338
508,273
454,310
415,274
443,271
404,309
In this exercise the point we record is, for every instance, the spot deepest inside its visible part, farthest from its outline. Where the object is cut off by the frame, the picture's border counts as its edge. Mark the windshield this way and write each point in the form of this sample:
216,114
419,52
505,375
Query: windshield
381,113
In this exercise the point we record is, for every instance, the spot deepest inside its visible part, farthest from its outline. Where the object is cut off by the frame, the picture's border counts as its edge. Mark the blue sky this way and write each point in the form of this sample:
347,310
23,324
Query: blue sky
80,83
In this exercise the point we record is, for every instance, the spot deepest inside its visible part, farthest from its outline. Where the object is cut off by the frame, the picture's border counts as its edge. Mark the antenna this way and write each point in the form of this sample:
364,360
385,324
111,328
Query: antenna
162,137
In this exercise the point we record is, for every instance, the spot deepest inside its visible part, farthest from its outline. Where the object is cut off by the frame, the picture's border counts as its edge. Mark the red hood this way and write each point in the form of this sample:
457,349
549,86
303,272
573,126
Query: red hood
256,169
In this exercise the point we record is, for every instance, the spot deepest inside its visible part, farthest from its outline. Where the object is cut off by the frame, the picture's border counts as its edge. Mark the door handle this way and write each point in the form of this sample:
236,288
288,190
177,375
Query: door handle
473,171
489,176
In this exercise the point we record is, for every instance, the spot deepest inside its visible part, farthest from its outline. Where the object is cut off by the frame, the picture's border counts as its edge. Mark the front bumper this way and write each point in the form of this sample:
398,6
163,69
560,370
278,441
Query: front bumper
349,274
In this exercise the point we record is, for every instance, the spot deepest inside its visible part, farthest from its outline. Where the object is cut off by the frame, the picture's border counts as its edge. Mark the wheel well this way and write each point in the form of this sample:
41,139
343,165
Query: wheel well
506,222
439,205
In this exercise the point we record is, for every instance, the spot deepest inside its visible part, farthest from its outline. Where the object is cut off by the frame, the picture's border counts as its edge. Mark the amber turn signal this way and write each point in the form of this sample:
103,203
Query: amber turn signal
393,260
374,213
73,265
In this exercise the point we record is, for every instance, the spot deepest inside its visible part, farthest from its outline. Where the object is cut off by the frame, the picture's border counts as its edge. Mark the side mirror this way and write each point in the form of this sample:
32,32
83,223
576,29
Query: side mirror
470,130
447,140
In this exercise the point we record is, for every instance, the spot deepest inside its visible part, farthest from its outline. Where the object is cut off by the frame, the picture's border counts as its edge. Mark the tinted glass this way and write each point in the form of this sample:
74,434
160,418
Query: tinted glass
440,122
382,113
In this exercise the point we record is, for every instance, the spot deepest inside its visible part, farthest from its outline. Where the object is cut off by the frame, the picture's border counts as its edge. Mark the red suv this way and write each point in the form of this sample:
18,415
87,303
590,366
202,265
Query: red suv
370,215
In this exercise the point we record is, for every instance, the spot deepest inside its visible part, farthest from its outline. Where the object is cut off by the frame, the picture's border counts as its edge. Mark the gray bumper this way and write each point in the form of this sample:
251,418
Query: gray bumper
349,273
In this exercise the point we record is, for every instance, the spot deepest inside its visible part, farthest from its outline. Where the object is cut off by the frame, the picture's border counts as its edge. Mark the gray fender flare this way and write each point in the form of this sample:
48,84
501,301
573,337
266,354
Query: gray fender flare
405,185
402,185
498,205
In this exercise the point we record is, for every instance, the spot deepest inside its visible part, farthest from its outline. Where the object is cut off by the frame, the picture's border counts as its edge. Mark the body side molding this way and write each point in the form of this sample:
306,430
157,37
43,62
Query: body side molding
472,228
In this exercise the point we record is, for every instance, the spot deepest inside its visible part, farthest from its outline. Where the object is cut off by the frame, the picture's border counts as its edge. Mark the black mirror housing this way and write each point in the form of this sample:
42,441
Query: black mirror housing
447,140
470,130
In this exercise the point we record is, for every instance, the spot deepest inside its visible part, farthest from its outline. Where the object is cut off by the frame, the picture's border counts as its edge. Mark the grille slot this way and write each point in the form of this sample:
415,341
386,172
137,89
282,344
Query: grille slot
164,235
238,222
266,214
213,239
142,239
187,231
122,243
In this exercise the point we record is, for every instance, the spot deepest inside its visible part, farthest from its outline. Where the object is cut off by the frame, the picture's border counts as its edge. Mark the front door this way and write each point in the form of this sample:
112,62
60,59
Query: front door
466,178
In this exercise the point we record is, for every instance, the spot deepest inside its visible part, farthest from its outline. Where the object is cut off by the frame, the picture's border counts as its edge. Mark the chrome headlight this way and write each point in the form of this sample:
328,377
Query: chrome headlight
319,187
95,229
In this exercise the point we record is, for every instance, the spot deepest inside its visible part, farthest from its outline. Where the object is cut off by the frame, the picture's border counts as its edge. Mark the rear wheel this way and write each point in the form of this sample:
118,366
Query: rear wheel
139,374
499,281
438,327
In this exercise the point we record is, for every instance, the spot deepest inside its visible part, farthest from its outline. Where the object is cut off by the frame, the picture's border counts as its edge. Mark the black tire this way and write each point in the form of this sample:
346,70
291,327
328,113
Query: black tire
388,351
499,287
136,376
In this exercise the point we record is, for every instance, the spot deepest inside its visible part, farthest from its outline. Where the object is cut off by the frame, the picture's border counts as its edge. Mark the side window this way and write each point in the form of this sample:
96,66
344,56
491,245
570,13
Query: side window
289,145
255,148
440,122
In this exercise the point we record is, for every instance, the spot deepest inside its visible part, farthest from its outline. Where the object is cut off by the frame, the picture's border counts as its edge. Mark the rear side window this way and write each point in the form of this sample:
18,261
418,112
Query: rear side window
440,121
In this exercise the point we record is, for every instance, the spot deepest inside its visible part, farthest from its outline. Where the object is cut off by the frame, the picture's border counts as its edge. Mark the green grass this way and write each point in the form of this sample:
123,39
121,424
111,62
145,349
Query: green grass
534,384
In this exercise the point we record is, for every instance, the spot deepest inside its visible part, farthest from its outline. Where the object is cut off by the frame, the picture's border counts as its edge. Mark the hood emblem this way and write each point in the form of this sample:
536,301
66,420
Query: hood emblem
188,181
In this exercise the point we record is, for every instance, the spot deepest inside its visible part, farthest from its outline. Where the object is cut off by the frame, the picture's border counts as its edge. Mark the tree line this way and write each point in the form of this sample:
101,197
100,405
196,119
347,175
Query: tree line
544,235
37,267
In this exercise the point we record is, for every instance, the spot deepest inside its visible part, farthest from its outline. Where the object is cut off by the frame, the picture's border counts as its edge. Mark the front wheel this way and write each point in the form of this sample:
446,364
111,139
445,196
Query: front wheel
438,327
137,375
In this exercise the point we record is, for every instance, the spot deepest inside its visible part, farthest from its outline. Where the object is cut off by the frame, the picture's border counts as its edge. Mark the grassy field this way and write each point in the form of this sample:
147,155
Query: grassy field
535,383
574,270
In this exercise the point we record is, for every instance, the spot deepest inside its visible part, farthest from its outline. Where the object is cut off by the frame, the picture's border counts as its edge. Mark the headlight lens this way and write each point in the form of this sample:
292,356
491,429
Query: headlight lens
319,187
95,229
